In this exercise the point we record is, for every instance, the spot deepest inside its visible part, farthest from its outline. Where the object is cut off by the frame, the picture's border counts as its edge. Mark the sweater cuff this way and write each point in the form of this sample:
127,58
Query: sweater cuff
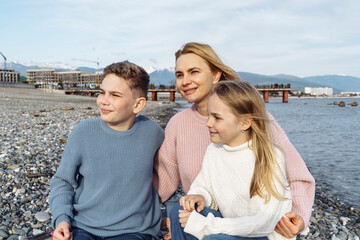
196,225
60,219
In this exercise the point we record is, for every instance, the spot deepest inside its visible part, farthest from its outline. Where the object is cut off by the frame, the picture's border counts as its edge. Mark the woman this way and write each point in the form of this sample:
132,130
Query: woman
180,157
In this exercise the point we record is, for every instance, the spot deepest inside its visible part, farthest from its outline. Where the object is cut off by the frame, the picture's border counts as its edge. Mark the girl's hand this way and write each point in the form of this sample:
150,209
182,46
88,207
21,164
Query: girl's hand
188,202
183,217
290,226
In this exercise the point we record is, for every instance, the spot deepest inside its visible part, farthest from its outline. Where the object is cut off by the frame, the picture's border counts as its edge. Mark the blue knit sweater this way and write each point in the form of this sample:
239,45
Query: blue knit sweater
104,181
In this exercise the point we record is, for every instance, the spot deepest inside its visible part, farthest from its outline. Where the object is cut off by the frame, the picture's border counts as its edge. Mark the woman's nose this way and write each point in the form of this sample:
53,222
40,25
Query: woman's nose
186,80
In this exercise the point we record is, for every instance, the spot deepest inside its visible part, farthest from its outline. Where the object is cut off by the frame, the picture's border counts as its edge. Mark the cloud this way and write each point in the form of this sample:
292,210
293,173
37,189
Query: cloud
294,36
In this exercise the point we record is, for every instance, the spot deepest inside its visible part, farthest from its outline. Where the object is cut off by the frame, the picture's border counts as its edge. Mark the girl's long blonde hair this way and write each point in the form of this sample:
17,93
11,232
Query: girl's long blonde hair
209,55
245,100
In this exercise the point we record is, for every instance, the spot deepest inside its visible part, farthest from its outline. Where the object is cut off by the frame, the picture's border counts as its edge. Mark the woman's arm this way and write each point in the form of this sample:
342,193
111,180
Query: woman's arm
166,176
302,182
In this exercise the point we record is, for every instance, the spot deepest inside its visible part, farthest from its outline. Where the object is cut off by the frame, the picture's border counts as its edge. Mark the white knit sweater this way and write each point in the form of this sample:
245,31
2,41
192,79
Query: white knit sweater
224,181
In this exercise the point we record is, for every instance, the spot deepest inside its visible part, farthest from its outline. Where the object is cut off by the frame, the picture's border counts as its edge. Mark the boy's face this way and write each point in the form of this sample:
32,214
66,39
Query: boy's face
116,103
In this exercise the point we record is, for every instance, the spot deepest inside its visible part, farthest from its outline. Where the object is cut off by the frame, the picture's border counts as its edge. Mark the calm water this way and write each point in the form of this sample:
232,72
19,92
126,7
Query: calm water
328,139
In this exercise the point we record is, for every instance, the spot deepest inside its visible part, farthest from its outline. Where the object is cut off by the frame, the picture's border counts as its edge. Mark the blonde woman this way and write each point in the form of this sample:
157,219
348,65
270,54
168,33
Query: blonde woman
180,157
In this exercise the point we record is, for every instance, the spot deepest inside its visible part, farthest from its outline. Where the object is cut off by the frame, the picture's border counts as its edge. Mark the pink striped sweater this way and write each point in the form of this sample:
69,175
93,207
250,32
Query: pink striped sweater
181,154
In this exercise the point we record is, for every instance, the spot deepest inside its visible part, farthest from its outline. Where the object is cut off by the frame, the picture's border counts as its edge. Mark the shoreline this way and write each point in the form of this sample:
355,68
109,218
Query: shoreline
34,128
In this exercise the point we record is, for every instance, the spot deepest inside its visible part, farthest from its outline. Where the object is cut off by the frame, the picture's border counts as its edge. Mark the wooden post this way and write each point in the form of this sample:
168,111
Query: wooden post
154,96
172,96
266,96
89,94
285,96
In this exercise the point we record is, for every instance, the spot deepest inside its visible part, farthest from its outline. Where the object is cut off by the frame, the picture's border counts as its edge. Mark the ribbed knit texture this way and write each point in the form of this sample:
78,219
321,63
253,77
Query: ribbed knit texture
111,173
224,181
185,143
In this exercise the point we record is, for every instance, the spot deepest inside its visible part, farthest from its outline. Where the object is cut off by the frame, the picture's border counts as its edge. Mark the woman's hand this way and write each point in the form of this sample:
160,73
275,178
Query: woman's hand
184,217
188,202
291,225
62,231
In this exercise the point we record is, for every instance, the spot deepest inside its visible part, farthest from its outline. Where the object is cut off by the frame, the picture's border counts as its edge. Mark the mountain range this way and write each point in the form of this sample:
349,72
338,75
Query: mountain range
166,77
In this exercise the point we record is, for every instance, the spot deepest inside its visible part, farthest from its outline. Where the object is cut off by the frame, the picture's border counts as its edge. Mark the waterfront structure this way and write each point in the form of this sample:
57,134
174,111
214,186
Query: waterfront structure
11,75
277,88
318,91
51,78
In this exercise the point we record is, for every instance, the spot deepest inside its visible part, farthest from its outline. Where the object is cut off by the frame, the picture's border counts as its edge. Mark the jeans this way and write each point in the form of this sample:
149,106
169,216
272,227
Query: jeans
177,232
79,234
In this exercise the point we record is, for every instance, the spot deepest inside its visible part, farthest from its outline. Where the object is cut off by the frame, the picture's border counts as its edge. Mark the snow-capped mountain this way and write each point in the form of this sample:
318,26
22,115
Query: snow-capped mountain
55,65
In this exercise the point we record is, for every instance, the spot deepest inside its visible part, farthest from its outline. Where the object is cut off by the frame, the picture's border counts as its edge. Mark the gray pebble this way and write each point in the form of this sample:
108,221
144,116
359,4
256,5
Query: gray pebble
42,216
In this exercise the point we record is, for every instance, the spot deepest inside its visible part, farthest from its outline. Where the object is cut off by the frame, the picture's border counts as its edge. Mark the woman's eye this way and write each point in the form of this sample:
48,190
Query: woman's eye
194,71
178,75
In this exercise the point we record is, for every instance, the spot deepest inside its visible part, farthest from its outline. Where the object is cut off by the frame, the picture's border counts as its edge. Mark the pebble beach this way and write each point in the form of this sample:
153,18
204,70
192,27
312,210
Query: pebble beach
34,126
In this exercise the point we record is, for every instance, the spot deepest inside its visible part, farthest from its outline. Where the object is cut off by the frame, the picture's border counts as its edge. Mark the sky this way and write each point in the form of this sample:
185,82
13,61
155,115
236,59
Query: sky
295,37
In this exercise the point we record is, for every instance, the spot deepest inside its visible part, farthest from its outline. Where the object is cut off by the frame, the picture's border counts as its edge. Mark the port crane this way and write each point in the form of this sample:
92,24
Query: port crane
97,63
4,66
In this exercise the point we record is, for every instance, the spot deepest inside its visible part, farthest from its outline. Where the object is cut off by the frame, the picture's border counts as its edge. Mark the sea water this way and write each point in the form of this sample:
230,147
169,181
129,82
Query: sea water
328,139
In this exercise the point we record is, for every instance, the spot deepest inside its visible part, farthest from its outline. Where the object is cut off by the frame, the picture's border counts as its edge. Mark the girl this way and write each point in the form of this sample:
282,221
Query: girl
243,174
180,157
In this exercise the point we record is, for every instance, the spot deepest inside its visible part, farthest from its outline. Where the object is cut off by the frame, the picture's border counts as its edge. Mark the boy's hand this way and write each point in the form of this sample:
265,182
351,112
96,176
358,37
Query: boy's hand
291,225
62,231
183,217
165,223
188,202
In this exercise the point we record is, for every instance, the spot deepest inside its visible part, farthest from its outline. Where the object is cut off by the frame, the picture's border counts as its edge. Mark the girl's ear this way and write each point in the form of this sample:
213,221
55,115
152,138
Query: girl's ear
139,105
246,123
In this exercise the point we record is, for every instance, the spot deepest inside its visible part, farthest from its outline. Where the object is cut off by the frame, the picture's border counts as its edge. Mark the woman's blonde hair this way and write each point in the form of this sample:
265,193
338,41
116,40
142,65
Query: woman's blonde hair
245,101
208,54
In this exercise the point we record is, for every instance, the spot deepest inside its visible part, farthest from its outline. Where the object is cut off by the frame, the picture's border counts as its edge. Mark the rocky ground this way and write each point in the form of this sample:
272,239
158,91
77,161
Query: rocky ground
34,127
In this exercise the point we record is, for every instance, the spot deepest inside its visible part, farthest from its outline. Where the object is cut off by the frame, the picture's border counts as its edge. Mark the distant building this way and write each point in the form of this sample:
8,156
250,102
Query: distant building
348,94
50,78
11,76
41,77
319,91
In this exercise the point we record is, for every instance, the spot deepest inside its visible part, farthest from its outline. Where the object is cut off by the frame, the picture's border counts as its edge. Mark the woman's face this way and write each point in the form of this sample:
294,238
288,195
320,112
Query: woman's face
194,78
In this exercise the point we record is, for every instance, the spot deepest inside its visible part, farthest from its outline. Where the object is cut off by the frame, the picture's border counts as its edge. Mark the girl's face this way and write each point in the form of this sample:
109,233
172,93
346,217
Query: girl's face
194,78
225,127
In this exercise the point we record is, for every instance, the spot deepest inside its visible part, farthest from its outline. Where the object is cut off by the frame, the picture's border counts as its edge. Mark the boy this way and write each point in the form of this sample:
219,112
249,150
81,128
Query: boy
103,185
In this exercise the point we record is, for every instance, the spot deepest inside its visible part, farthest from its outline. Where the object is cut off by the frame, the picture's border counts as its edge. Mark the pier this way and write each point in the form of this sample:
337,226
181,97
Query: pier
266,89
92,92
154,94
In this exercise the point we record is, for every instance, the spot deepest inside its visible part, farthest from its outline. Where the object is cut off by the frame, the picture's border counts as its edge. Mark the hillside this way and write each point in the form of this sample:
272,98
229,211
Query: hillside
167,77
